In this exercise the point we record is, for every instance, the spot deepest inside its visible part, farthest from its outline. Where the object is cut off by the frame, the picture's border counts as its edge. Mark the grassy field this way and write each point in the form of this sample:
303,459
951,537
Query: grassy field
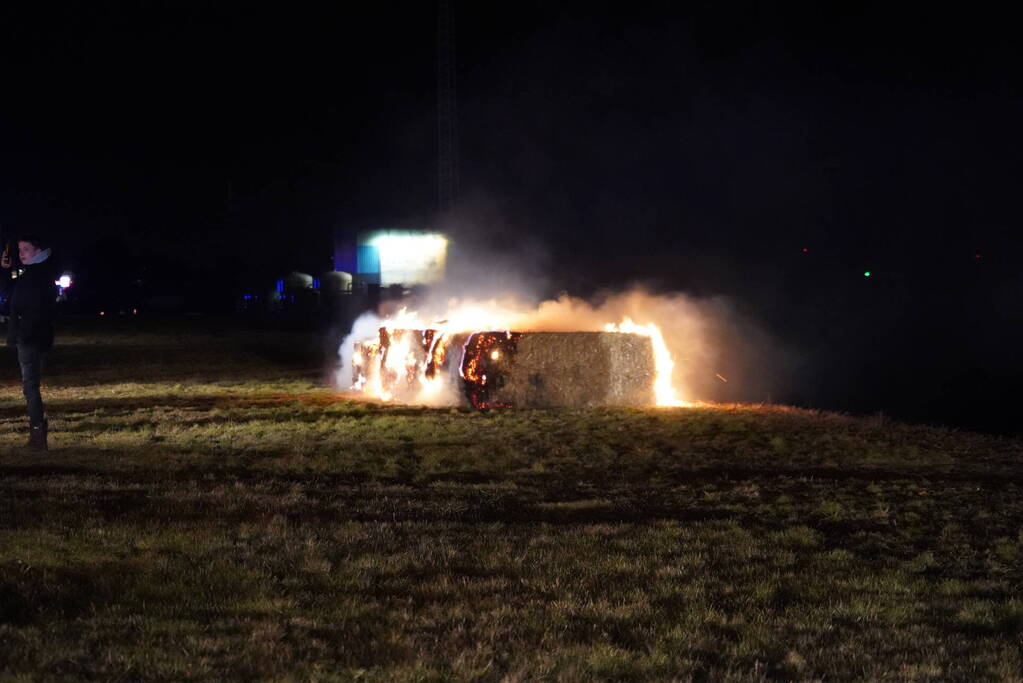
211,509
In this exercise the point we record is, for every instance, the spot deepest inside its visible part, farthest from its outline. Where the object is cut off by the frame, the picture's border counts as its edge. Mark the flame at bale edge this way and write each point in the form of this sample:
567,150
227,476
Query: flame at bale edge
664,390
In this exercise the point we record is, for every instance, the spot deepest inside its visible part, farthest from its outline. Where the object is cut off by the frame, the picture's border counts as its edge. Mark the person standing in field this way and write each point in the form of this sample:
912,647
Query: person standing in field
32,298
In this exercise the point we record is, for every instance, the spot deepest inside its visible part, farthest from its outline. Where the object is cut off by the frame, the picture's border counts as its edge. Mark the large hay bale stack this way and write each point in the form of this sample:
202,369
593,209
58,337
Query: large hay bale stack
514,369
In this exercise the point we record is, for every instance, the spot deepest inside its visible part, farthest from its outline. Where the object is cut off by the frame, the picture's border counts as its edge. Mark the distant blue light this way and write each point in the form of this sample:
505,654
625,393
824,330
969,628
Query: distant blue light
368,259
280,286
316,283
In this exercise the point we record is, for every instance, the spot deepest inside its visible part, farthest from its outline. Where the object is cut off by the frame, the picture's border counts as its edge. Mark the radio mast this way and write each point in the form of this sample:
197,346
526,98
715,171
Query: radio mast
447,110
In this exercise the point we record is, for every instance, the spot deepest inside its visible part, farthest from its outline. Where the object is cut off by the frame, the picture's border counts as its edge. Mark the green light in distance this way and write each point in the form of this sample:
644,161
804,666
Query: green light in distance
866,273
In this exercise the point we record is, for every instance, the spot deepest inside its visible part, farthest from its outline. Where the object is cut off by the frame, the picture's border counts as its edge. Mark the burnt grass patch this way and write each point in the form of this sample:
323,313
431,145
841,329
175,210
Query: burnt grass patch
222,513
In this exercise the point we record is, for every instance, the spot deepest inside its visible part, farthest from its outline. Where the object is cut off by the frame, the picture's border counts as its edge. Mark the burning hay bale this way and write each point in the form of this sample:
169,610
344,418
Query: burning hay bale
504,369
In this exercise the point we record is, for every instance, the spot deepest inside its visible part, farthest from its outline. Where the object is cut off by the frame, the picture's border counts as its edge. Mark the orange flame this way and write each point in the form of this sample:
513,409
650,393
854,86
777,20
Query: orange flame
664,390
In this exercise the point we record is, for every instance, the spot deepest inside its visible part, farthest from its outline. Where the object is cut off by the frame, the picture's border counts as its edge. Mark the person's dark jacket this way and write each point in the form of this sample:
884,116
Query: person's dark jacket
32,298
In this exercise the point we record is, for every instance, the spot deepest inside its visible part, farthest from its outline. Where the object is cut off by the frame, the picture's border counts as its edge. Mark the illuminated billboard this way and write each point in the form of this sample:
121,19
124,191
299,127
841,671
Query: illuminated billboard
405,257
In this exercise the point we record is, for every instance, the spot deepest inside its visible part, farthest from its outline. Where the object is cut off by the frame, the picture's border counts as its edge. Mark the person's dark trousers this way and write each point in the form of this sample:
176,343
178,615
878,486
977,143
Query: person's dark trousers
32,361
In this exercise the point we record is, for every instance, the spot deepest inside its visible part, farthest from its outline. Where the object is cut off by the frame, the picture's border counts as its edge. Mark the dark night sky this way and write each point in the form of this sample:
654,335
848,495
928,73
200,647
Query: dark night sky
695,146
724,128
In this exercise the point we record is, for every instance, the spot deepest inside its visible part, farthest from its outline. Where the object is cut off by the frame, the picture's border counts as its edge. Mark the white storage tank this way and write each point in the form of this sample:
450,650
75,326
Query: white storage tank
336,281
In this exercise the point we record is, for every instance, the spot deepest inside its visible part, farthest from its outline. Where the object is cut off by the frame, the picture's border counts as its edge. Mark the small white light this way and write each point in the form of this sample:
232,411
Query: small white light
495,354
64,281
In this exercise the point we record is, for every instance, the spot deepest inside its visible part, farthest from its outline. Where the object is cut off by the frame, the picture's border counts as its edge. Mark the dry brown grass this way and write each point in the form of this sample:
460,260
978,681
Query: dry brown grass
211,510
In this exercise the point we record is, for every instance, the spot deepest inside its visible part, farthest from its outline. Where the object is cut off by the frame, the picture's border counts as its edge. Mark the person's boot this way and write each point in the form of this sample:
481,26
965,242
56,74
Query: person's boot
37,436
